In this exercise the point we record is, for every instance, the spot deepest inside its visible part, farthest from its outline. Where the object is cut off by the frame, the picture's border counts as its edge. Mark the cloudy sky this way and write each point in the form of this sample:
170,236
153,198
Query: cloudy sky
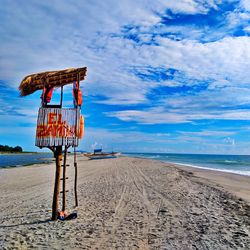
163,76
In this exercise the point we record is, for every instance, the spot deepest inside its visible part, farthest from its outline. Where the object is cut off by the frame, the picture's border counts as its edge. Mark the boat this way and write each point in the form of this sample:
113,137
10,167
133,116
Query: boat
98,154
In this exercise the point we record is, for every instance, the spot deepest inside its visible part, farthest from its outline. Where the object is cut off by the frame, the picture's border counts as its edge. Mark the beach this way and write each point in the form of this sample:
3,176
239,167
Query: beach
126,203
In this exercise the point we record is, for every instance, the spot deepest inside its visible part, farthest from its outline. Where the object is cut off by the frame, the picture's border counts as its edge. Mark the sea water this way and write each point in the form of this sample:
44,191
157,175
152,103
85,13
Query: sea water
17,160
238,164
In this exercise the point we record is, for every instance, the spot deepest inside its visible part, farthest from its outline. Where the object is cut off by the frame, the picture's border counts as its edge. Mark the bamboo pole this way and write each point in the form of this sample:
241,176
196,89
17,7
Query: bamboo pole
75,162
55,204
64,179
76,134
75,185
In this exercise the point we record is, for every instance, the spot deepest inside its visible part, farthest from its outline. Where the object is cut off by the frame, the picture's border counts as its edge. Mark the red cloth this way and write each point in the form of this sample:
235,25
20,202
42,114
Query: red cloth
47,94
77,94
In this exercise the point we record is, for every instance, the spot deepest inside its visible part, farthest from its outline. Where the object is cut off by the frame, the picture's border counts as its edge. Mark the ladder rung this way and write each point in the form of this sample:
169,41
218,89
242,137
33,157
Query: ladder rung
65,178
65,191
67,165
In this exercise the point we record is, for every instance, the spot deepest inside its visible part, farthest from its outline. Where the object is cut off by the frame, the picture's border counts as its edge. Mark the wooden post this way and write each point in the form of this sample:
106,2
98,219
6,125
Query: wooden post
76,134
58,156
75,186
61,100
64,179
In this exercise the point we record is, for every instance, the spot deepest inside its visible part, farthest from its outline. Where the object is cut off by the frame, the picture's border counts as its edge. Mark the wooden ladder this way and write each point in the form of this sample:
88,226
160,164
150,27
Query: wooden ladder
64,166
64,178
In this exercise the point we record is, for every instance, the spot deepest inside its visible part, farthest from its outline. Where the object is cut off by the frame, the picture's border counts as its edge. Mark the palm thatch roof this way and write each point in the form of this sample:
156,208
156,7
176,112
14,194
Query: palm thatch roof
34,82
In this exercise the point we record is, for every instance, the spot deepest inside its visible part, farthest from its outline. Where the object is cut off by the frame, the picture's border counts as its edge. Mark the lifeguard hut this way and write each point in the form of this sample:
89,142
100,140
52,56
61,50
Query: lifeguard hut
58,128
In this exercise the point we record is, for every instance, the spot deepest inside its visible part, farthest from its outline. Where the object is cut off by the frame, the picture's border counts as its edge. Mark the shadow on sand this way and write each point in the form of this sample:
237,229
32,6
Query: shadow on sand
27,223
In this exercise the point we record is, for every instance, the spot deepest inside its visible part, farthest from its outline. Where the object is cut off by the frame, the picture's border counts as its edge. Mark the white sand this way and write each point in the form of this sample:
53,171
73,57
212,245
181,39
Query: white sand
124,203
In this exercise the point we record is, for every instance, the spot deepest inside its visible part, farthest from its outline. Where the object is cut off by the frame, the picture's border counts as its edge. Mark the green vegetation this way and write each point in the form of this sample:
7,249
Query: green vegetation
5,148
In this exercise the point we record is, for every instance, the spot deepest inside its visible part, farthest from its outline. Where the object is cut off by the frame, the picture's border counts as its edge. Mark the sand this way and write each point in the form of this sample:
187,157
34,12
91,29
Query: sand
126,203
237,184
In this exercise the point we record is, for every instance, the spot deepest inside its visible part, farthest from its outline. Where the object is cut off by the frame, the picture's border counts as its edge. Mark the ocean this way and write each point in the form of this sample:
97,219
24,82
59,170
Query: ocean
18,160
237,164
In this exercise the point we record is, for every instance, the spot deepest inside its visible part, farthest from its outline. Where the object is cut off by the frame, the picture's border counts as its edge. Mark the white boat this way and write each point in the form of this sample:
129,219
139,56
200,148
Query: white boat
98,154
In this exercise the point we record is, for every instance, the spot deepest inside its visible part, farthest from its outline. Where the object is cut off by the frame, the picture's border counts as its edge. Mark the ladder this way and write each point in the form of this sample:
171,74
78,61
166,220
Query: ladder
64,166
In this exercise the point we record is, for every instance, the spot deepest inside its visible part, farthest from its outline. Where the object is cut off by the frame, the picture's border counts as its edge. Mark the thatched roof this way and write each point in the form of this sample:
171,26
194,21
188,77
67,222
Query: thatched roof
34,82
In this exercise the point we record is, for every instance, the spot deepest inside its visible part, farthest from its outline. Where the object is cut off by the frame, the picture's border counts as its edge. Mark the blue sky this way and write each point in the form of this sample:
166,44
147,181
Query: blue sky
163,76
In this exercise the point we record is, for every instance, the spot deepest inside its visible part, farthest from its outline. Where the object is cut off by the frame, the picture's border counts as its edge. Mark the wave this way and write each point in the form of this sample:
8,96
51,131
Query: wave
147,156
153,156
232,171
231,162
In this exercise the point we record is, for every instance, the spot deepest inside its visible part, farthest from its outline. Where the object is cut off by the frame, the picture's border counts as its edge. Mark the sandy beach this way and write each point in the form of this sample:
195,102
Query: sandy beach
126,203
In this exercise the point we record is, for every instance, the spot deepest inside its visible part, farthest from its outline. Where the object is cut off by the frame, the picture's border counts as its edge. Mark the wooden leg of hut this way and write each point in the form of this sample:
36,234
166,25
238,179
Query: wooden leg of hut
58,156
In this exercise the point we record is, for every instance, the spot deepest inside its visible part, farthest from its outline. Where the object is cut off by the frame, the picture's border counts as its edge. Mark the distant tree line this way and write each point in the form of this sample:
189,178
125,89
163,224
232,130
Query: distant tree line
5,148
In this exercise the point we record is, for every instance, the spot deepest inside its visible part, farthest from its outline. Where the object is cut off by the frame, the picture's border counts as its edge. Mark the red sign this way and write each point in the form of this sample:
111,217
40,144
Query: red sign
57,127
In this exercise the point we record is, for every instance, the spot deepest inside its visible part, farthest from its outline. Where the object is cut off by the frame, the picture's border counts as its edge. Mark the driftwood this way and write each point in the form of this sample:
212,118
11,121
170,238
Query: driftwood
34,82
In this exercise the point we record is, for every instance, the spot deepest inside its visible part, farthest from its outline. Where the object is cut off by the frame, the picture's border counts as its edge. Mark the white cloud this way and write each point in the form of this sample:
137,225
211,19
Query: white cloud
209,133
247,29
44,36
158,116
245,4
185,6
122,140
226,62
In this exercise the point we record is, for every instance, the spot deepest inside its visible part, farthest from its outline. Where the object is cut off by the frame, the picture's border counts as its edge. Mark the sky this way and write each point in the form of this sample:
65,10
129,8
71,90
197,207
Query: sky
163,76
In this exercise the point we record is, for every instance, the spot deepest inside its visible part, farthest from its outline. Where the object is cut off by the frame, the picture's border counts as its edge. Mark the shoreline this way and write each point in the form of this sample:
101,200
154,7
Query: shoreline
19,153
241,173
235,172
26,165
235,183
247,173
20,160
